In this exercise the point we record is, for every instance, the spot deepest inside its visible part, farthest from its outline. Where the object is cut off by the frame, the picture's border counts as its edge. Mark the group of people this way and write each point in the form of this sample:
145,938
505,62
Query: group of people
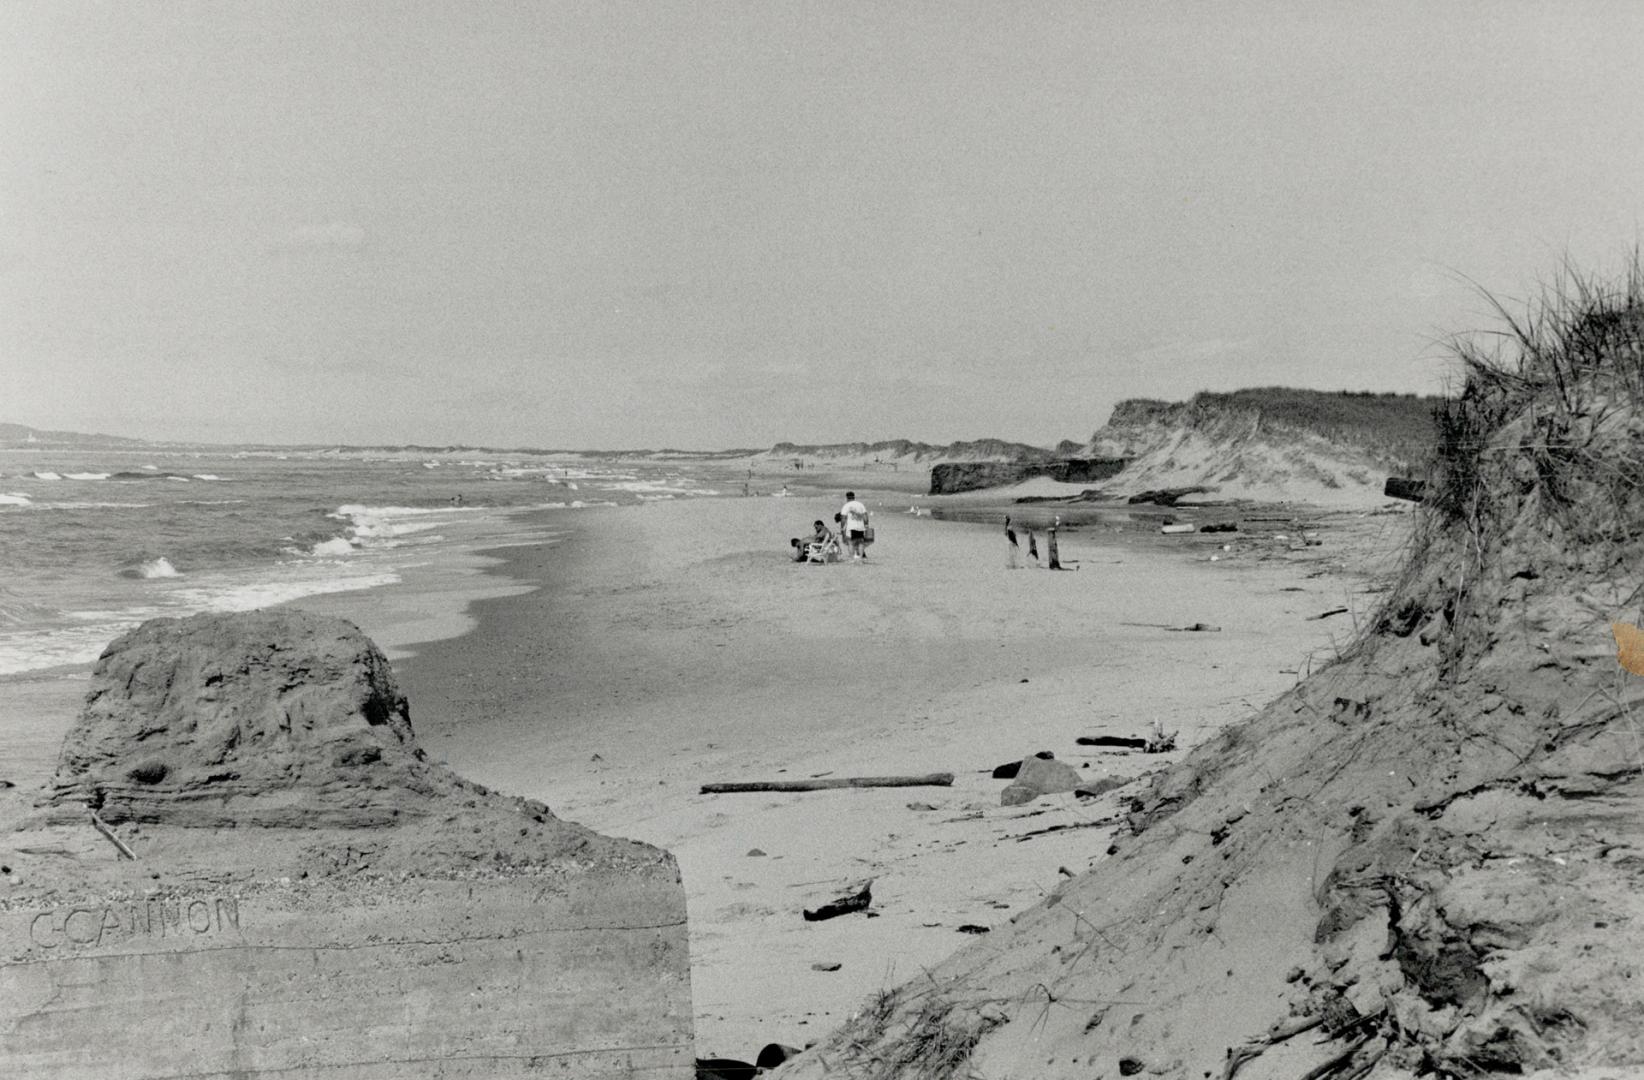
855,533
1054,560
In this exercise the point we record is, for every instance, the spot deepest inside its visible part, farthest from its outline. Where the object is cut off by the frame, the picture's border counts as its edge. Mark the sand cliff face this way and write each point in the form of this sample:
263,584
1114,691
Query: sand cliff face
310,895
1425,860
1269,445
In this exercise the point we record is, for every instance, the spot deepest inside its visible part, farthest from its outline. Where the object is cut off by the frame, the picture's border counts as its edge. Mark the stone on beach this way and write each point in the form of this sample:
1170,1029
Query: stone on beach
276,718
1039,776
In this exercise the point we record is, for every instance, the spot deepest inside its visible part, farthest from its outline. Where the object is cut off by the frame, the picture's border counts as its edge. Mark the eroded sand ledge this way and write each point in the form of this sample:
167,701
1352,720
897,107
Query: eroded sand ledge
310,896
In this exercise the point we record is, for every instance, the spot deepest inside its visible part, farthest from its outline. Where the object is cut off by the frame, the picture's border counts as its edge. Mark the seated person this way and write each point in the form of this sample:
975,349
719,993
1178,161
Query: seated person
823,545
801,549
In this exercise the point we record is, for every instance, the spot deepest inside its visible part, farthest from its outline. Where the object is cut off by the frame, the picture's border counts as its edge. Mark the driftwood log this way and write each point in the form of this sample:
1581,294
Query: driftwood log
1158,744
1118,741
843,906
940,779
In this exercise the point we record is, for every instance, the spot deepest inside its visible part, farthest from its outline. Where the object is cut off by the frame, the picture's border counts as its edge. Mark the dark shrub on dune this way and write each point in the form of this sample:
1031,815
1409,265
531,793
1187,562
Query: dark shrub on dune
1539,468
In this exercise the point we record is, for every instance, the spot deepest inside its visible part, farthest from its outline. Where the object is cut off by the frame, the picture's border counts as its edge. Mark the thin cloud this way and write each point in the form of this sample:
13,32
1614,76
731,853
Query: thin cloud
1193,352
342,236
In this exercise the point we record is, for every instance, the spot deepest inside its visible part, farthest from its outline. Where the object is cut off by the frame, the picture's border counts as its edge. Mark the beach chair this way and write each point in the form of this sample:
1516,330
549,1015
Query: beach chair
822,553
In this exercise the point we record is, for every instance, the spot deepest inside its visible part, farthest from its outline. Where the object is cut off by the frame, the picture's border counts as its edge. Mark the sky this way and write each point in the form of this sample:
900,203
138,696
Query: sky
724,224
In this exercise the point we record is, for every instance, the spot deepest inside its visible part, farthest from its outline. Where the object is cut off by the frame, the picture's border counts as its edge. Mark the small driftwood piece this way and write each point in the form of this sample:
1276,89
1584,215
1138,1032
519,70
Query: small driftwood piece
1099,823
1327,614
941,779
103,828
1335,1064
1278,1033
844,905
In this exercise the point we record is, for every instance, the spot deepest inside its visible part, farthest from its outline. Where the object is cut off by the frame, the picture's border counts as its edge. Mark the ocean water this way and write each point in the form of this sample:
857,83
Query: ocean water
92,542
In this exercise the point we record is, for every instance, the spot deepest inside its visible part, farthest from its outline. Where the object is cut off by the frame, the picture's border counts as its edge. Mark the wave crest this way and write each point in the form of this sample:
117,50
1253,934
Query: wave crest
148,569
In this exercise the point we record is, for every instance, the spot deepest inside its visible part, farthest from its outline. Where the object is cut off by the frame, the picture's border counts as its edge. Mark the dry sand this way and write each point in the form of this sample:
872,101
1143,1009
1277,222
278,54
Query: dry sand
674,644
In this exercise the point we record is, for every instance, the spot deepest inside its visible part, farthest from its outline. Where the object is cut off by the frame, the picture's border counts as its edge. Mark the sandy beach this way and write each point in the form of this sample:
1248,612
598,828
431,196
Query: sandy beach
674,644
648,650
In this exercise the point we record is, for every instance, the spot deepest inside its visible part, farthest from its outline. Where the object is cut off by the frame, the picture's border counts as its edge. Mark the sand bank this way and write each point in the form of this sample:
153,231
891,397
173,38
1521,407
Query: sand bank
674,644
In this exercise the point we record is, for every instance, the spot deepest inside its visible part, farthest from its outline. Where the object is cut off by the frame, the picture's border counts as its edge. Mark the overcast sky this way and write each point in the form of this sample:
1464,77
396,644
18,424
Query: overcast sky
723,224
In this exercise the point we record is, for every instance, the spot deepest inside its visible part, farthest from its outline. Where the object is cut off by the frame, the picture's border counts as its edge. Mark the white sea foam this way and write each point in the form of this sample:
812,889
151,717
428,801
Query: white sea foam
333,548
86,476
33,648
41,475
157,568
386,526
206,476
15,500
249,596
93,506
643,486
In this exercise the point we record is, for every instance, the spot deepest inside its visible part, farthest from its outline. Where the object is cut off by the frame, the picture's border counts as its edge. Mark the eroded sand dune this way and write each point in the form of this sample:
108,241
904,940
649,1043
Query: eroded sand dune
1424,860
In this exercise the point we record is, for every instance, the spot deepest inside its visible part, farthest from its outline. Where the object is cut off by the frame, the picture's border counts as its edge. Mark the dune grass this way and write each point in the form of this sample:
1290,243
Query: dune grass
1550,412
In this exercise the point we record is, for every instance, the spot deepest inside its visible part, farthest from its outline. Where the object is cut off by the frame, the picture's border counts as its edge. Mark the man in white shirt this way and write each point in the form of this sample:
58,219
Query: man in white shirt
856,525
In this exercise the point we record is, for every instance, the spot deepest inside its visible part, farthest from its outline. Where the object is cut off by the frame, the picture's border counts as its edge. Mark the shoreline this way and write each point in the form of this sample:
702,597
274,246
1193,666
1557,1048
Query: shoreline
611,661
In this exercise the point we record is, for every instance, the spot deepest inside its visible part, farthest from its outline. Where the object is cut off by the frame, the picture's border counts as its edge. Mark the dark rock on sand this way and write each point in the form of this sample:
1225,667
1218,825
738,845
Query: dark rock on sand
1009,769
774,1054
1040,776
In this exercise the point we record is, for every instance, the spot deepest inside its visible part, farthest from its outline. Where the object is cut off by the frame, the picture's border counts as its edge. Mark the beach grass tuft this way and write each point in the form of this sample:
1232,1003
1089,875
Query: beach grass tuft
923,1034
1539,462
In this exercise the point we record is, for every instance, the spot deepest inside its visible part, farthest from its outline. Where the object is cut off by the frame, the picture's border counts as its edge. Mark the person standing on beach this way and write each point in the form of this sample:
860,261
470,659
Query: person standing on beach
1055,562
1015,548
856,525
1033,549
